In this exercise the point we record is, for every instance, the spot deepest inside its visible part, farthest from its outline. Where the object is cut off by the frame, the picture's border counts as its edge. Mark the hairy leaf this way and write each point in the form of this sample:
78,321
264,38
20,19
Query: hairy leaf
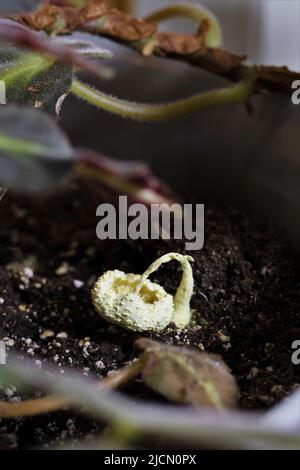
187,376
34,80
17,34
34,154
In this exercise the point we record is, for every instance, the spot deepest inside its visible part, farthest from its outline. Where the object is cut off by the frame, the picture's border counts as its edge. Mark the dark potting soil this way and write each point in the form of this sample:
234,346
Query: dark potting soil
246,292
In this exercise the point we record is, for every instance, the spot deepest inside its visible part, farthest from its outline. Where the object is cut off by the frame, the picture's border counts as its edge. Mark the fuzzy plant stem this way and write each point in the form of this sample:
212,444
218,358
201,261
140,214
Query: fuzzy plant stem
182,312
197,13
165,111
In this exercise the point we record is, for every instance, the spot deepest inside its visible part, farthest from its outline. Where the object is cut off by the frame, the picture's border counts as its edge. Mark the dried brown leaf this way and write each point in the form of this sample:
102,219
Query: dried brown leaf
217,61
187,376
62,19
179,44
97,17
127,28
276,77
49,18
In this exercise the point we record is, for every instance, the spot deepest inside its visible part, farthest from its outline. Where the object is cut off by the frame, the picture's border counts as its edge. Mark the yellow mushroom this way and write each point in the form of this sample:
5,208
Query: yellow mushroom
135,303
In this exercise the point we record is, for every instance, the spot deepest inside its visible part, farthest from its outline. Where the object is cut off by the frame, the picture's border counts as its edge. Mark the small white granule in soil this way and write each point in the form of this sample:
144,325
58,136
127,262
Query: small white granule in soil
9,391
1,300
222,337
62,335
47,334
62,269
276,389
253,373
99,365
30,352
77,283
28,272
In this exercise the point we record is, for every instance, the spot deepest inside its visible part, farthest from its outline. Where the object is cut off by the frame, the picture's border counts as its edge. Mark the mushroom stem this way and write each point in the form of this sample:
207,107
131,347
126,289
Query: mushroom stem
182,312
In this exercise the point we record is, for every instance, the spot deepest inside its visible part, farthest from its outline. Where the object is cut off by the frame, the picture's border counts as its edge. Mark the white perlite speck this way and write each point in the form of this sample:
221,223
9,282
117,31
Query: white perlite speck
77,283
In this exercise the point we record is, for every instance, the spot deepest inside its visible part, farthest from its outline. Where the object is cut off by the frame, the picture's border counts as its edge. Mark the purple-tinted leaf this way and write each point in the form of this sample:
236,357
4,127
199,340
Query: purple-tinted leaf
19,35
34,153
132,178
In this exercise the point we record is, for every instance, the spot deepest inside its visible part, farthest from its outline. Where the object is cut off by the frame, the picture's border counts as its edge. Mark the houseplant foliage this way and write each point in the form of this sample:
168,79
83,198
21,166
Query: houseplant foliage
40,69
41,56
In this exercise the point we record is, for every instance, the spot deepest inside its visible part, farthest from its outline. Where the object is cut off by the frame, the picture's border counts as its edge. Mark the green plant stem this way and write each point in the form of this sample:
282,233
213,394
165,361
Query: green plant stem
197,13
165,111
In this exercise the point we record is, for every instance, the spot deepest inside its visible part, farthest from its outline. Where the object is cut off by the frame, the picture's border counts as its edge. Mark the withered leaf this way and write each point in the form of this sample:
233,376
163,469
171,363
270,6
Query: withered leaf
48,18
93,9
97,17
187,376
216,60
277,78
124,27
62,19
179,44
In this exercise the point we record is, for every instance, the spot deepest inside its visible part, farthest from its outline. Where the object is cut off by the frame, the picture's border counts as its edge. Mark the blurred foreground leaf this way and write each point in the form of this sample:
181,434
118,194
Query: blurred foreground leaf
188,427
187,376
34,153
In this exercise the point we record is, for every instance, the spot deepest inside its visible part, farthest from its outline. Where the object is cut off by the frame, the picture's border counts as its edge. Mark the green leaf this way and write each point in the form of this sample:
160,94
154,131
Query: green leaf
34,80
34,153
187,376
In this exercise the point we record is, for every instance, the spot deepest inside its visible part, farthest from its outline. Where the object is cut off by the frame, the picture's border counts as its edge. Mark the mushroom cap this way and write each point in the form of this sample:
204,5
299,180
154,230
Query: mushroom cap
116,299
